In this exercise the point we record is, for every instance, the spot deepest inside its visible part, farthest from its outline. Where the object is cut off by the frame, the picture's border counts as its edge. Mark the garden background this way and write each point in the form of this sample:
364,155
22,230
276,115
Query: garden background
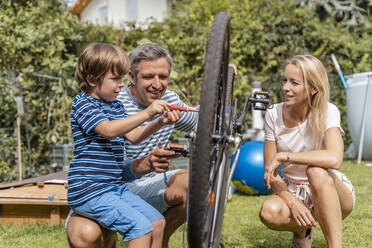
38,39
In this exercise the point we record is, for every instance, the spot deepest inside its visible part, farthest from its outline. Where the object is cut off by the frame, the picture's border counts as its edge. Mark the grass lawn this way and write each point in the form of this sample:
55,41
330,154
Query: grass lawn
242,227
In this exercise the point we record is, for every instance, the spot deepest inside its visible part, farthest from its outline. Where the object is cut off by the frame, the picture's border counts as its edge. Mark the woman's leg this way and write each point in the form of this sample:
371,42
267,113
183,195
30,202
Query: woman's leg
331,201
276,215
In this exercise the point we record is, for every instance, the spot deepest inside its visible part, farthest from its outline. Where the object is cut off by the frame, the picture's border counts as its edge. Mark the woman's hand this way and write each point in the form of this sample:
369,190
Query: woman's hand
272,170
301,213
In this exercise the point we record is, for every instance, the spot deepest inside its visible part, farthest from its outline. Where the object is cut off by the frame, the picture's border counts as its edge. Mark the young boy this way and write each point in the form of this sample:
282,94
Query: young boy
99,124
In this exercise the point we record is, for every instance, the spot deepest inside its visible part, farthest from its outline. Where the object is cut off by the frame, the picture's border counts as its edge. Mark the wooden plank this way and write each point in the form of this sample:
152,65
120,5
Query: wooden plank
32,201
55,217
62,175
22,214
50,192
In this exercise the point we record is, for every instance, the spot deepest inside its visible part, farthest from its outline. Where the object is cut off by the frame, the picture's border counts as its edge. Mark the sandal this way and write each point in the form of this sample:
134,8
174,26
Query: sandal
304,242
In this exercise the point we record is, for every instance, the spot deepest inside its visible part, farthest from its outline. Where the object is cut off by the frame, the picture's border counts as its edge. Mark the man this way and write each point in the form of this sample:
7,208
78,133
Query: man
149,73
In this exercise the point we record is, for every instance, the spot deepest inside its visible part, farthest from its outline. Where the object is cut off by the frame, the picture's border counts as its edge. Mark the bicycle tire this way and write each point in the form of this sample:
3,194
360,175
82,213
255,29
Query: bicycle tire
206,154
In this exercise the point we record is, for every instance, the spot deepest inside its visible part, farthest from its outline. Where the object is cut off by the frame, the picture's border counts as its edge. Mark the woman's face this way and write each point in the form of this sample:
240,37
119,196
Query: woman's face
294,90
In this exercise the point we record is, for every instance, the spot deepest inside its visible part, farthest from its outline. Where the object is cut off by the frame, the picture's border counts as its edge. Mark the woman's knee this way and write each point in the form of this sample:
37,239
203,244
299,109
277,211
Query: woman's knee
271,213
319,177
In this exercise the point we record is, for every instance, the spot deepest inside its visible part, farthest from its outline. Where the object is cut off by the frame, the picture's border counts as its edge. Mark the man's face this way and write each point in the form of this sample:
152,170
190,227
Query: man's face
152,81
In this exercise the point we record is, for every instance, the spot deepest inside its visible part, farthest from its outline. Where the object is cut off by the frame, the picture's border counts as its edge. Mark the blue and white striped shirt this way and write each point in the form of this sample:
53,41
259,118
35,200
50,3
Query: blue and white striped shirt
187,122
97,165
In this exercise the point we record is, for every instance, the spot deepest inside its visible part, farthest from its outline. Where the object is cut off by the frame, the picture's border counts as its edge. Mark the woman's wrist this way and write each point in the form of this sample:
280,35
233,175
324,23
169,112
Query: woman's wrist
282,157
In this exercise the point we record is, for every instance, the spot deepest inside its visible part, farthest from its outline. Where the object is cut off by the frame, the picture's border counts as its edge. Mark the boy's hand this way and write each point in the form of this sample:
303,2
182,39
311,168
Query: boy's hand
157,107
170,117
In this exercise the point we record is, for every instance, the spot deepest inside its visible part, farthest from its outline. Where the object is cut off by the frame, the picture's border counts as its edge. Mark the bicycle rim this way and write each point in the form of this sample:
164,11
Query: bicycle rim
207,153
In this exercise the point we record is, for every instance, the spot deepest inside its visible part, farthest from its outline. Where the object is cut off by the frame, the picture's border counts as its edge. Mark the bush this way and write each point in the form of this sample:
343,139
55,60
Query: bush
264,35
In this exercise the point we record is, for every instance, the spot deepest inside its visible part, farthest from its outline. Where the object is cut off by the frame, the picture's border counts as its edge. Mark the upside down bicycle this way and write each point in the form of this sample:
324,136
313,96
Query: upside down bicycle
218,135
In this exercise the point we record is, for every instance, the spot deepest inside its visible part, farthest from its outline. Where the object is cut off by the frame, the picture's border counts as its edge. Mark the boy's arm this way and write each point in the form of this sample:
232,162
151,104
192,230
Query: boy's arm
115,128
137,135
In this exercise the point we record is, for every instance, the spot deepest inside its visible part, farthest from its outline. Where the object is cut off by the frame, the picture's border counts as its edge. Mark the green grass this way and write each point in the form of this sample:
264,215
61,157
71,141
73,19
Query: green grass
242,227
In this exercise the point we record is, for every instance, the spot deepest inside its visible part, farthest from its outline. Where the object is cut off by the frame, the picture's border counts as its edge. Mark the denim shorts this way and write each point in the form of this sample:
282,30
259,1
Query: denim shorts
121,211
151,188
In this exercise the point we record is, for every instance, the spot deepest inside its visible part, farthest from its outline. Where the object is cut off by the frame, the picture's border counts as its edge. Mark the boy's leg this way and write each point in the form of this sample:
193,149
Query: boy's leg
91,235
151,214
114,213
169,199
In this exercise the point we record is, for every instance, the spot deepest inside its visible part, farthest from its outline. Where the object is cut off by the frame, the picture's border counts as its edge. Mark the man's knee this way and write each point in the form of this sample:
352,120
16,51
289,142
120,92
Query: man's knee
176,192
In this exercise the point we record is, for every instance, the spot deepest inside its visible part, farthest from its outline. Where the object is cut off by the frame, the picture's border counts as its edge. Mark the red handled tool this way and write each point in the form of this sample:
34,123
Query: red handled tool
179,108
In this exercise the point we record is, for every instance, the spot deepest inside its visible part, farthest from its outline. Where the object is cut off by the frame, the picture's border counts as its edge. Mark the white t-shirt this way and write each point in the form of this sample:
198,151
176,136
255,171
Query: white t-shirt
295,139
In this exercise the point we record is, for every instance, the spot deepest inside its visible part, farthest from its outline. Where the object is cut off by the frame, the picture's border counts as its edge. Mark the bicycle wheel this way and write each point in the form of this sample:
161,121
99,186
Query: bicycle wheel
209,148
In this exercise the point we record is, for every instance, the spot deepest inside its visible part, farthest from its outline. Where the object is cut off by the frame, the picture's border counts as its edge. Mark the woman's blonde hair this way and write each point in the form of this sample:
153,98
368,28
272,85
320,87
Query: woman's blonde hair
315,77
96,60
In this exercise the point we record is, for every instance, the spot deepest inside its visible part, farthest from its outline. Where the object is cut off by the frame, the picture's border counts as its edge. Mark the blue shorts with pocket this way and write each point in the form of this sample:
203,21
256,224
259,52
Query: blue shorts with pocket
121,211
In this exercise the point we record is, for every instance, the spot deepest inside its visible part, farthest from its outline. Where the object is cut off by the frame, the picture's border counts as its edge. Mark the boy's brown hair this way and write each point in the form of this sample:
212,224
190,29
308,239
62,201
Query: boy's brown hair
96,60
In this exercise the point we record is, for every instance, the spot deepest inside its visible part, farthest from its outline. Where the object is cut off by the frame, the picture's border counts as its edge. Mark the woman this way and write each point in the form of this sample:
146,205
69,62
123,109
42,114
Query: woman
304,134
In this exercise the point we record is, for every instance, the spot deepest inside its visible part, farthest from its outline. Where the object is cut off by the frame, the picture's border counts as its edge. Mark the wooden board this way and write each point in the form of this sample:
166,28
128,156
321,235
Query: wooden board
49,194
20,214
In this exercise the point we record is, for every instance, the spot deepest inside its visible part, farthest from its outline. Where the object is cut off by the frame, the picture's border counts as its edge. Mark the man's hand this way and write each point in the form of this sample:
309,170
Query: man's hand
301,213
170,117
159,159
235,69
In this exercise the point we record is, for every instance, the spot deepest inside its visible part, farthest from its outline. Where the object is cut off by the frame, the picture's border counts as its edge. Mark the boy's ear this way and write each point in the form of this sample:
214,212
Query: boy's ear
131,78
90,81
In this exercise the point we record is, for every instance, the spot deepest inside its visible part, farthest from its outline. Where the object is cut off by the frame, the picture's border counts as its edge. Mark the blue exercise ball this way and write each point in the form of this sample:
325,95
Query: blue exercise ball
249,171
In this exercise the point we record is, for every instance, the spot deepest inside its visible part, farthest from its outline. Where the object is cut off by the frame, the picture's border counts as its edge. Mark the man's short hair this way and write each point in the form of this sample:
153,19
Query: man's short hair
96,60
148,51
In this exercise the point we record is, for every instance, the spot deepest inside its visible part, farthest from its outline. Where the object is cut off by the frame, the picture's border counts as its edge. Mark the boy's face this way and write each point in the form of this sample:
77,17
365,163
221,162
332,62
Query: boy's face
152,81
109,89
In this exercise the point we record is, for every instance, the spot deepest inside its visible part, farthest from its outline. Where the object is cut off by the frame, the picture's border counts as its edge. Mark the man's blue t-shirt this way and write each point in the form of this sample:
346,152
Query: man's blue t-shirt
97,165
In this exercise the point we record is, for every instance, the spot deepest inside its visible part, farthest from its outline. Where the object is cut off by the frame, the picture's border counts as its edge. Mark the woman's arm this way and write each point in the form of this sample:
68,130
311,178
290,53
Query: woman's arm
300,212
331,157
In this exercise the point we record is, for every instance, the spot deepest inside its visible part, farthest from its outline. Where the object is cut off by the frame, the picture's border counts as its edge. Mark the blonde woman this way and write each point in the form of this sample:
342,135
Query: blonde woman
304,134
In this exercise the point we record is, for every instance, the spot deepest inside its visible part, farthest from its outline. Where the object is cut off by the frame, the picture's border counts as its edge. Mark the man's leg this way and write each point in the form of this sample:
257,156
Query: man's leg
176,197
169,199
83,232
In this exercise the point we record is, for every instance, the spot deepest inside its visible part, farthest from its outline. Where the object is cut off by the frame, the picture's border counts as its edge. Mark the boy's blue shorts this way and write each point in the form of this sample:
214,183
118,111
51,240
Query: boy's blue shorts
121,211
